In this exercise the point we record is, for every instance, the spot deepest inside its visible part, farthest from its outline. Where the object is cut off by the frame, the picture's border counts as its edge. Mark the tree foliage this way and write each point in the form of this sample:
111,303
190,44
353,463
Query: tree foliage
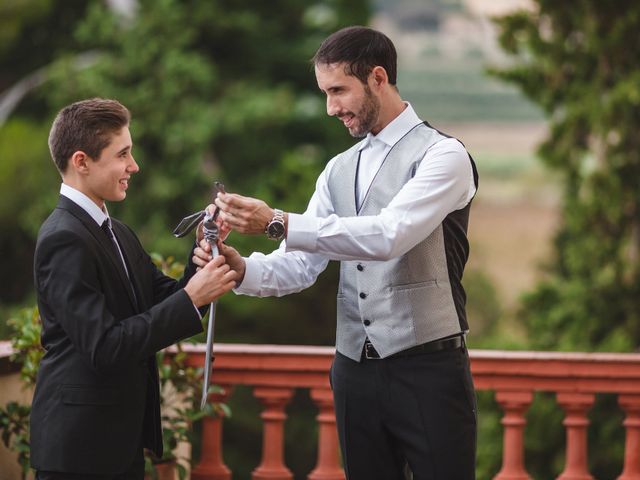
218,90
32,33
580,62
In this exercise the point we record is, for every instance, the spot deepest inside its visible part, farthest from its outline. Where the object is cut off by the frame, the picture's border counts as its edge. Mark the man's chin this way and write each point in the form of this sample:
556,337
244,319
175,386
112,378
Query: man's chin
355,133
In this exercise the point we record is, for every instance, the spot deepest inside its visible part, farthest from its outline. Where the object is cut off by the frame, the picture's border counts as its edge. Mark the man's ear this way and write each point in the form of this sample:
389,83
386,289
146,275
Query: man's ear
79,161
379,76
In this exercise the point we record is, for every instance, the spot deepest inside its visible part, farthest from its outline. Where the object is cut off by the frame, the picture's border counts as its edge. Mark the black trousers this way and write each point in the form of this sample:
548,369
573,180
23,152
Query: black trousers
135,472
418,409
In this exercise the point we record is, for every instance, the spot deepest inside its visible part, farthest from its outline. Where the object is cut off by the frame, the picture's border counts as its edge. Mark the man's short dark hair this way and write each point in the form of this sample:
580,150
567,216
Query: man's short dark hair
361,49
86,126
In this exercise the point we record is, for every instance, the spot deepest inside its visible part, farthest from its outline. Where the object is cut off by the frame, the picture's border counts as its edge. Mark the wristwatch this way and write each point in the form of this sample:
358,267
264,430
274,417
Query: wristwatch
275,228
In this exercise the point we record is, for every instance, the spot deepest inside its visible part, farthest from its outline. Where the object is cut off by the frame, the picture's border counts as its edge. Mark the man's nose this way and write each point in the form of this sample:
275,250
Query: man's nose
333,107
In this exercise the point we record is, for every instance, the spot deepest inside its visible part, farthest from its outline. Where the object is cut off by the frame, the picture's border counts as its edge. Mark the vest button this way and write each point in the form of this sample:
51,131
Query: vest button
363,295
367,323
360,267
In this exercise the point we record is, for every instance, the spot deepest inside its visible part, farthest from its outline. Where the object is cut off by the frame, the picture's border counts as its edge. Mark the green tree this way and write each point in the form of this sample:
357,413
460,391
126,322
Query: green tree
27,192
580,62
218,90
32,33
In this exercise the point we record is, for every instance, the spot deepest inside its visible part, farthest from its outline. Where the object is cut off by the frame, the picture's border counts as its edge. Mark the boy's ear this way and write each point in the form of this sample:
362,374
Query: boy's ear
79,162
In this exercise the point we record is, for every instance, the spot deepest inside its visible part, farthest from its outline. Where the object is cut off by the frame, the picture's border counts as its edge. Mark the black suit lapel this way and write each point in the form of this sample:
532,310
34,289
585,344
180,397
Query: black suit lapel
106,245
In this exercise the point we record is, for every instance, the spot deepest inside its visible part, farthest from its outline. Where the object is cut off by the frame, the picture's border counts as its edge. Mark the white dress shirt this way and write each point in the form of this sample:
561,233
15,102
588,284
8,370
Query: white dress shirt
443,183
84,202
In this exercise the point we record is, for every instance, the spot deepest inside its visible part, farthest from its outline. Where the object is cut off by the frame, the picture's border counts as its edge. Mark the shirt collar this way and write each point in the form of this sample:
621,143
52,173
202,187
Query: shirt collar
84,202
395,130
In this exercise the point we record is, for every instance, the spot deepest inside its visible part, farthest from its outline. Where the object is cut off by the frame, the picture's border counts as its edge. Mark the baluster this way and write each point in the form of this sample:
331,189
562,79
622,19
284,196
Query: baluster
211,465
328,465
631,405
576,406
272,465
514,405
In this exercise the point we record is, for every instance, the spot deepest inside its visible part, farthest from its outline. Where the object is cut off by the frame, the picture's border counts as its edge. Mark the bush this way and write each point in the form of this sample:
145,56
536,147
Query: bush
14,417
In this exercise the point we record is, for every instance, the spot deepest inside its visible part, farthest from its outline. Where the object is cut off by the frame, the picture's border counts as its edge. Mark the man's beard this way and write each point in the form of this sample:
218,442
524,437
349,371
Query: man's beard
367,116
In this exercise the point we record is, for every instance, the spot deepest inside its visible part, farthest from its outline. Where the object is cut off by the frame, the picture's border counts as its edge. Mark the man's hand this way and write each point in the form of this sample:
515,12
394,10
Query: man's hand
244,214
234,260
210,282
223,229
202,256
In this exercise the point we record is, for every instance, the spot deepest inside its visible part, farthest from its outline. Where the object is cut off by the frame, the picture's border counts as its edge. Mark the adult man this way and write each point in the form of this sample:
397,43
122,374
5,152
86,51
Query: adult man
105,308
394,210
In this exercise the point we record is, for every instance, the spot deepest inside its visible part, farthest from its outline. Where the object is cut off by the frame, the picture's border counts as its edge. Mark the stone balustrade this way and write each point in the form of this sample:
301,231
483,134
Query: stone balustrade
575,378
274,372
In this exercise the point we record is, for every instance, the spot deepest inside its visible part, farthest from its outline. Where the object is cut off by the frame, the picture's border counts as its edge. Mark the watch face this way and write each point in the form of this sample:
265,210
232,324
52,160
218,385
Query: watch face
275,230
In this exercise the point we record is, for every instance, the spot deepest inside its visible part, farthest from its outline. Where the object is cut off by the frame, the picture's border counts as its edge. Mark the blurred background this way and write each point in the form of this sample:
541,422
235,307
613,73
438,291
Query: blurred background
545,98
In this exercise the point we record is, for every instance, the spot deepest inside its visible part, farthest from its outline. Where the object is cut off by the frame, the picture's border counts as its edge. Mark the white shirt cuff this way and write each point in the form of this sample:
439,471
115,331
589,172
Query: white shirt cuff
252,278
302,232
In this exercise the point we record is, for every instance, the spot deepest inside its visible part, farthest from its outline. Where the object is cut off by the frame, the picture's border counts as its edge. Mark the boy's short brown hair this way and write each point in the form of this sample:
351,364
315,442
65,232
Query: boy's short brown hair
86,126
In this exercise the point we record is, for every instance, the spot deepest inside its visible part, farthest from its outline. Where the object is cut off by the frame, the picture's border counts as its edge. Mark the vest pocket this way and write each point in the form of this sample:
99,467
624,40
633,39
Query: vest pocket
410,286
429,308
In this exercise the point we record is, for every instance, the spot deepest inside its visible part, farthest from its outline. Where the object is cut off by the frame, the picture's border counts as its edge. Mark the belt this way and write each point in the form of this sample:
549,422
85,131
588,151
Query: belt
450,343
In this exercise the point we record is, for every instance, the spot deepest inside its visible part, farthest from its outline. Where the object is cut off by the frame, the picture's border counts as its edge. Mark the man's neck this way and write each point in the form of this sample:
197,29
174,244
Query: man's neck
389,112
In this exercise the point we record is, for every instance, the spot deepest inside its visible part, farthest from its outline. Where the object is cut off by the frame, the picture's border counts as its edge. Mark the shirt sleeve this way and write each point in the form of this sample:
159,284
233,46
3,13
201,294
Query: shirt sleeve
283,272
442,184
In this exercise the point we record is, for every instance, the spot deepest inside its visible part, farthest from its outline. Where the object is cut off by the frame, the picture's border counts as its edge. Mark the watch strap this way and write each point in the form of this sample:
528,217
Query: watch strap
278,219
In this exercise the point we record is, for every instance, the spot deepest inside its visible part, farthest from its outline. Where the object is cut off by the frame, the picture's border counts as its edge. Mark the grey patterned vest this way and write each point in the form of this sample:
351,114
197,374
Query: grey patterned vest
411,299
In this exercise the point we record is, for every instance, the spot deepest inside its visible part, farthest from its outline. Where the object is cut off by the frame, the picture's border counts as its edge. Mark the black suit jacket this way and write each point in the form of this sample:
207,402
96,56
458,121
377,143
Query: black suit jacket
97,397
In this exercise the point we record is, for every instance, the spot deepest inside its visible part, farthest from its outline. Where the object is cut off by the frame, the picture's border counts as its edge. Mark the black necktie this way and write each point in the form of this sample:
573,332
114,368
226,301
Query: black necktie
106,227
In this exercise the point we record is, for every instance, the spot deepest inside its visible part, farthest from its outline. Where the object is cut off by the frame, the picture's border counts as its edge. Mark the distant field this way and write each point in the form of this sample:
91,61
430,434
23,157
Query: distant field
509,242
515,213
444,90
